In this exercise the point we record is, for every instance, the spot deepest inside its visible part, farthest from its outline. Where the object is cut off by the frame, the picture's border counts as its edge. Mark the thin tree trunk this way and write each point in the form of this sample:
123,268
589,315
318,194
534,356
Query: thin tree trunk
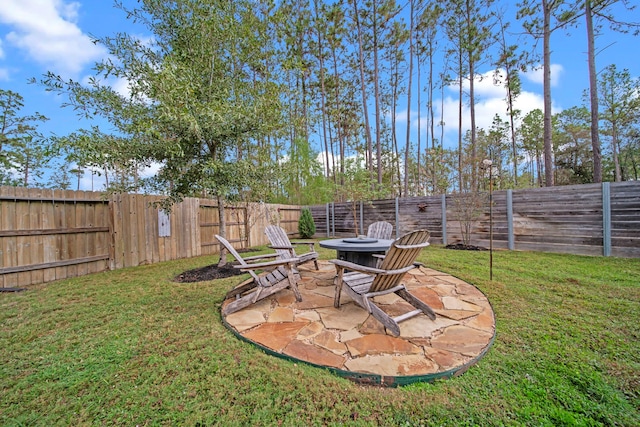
341,139
593,96
615,144
431,115
363,87
223,230
394,105
510,103
460,93
376,82
472,102
322,90
408,138
548,129
418,177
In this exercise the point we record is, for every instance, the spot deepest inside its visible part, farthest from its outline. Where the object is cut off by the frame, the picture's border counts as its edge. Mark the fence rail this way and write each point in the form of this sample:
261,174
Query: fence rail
47,235
591,219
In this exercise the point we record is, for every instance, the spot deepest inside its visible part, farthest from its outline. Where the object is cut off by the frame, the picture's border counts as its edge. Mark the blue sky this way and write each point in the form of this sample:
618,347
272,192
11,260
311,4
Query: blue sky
37,36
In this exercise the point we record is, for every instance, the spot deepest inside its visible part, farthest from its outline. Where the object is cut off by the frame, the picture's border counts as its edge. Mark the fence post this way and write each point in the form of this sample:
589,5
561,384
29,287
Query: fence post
444,219
606,219
361,218
397,219
326,208
510,237
333,218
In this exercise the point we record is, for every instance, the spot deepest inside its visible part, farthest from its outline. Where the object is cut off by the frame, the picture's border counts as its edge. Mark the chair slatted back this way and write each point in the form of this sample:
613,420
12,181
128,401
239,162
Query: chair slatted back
278,237
380,230
402,253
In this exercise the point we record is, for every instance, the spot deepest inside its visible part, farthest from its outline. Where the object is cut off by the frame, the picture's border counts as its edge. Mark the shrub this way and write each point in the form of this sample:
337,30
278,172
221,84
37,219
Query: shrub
306,226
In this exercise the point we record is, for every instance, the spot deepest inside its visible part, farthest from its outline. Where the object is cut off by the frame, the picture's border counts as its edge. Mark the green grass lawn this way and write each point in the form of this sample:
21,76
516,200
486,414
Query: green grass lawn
131,347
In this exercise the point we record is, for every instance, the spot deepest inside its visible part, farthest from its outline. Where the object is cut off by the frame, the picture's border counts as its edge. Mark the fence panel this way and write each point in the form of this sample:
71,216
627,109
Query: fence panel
137,238
421,213
625,219
559,219
568,219
47,235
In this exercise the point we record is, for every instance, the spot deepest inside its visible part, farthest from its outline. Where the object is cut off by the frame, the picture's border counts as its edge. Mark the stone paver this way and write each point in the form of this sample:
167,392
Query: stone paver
350,339
330,341
281,314
313,354
462,339
276,336
346,317
380,344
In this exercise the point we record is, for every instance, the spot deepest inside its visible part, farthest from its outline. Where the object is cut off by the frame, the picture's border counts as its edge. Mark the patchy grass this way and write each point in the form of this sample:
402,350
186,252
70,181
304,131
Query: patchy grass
132,347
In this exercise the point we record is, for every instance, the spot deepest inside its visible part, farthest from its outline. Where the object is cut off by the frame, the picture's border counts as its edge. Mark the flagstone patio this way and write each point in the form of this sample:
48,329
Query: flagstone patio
351,343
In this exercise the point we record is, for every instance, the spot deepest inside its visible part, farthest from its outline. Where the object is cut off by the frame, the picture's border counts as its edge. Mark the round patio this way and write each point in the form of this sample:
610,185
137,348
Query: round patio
353,344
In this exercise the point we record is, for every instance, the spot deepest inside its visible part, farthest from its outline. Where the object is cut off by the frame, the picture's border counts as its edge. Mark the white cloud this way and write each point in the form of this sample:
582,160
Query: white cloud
490,96
490,100
536,75
94,179
47,31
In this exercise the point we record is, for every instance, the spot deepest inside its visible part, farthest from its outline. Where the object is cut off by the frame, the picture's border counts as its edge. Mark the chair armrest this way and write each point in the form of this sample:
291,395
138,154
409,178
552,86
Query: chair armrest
280,247
260,265
341,264
255,257
312,247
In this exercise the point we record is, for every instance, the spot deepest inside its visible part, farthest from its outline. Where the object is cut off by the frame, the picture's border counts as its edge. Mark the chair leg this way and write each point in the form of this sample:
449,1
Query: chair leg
337,281
402,293
293,285
385,319
315,262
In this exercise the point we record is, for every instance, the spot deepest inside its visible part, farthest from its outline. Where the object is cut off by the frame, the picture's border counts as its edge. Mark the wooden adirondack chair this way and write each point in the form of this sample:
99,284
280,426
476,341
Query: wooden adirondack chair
380,230
276,275
363,284
285,248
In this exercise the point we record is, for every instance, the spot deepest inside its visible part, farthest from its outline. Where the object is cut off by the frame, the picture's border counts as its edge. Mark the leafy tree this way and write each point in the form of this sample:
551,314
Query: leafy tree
620,104
426,46
508,65
306,226
359,187
478,36
199,91
467,208
556,14
630,156
23,151
600,11
532,133
574,164
60,178
493,145
441,172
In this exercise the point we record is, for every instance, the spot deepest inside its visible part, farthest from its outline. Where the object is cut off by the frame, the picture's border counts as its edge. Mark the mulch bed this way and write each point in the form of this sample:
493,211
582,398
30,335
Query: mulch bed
210,272
462,247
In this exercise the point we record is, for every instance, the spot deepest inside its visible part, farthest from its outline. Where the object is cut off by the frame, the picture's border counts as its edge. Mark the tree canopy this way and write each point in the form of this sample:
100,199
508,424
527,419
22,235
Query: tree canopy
236,99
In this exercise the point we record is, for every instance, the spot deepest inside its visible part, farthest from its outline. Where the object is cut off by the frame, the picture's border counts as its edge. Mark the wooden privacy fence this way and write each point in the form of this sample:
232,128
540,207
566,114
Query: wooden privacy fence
48,235
590,219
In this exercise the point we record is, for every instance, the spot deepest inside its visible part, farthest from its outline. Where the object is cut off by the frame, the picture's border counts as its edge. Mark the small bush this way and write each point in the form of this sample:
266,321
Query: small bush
306,226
